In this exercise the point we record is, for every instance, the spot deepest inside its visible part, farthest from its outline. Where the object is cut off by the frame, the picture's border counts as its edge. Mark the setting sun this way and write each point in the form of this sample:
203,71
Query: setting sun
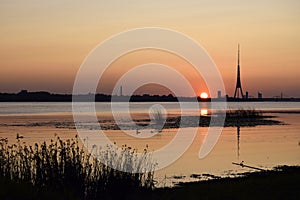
203,95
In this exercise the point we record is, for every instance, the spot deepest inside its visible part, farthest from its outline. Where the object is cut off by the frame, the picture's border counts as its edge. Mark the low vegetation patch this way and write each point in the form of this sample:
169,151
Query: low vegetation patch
234,118
64,170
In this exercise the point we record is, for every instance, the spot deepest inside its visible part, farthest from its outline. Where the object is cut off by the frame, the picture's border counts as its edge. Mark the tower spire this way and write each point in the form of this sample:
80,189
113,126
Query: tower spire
238,87
238,54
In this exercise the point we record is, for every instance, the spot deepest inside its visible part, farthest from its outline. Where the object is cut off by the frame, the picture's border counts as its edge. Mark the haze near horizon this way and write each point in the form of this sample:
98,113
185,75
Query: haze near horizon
44,43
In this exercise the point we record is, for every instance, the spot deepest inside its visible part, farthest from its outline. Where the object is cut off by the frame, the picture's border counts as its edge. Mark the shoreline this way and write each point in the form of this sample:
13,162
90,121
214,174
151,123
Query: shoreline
45,96
281,182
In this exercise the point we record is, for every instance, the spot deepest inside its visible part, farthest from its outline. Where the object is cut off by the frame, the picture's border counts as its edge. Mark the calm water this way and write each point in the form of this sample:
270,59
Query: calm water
66,107
261,146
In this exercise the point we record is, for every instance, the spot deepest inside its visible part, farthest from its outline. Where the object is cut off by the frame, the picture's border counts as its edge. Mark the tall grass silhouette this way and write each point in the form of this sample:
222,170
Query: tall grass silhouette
67,169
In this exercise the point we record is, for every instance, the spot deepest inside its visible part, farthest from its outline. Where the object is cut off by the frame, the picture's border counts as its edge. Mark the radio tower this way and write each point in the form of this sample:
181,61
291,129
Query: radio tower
238,87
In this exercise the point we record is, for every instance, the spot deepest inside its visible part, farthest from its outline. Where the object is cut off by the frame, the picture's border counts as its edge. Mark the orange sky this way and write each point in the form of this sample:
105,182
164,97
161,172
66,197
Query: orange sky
137,58
43,43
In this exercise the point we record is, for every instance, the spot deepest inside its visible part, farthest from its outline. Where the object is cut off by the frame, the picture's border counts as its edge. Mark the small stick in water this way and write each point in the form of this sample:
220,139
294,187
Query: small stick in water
248,166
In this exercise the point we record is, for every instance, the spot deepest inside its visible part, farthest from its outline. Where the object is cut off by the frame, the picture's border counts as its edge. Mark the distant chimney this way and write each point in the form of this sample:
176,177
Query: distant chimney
219,94
259,95
247,95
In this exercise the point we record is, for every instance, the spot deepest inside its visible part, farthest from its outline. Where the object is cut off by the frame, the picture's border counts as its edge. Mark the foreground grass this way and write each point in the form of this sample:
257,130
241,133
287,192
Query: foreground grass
63,170
281,183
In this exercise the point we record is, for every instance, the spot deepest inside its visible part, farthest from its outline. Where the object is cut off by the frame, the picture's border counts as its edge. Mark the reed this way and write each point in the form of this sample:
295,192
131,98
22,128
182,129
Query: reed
67,169
244,113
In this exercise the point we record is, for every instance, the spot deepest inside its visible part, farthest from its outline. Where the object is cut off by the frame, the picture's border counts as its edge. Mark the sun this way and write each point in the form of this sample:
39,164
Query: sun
204,95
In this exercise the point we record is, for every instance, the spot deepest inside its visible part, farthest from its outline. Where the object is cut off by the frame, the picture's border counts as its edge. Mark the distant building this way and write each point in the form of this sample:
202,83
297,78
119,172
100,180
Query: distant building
259,95
219,94
121,91
247,95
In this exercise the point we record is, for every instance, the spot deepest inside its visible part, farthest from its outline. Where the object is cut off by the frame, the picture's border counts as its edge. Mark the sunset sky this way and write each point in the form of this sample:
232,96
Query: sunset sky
43,43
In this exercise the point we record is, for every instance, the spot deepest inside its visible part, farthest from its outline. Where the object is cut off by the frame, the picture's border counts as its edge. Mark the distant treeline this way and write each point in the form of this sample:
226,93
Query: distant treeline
43,96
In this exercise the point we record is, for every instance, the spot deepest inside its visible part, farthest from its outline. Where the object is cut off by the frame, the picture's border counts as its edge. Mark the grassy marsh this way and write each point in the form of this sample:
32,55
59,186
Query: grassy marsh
63,168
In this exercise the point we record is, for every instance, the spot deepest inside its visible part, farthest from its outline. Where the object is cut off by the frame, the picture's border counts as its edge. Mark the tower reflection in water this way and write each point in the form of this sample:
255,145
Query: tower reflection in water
238,141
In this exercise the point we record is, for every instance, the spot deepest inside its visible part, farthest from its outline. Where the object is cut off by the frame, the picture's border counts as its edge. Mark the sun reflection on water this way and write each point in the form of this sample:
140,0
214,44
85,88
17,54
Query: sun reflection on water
203,112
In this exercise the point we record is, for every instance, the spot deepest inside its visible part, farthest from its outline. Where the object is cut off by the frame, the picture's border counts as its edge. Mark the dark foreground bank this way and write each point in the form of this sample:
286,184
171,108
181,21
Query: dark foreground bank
280,183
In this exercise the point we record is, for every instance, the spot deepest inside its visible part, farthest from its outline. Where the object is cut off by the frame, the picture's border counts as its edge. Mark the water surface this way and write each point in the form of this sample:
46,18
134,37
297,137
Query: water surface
260,146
